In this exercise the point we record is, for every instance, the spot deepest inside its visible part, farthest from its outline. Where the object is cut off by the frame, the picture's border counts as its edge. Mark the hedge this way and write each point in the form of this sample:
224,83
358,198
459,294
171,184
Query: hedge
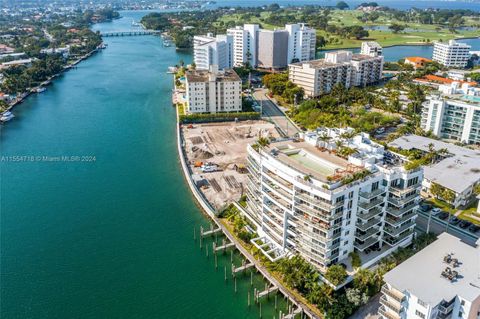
219,117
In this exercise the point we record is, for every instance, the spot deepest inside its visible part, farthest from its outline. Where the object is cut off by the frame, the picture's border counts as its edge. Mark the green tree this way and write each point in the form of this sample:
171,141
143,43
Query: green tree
342,5
336,274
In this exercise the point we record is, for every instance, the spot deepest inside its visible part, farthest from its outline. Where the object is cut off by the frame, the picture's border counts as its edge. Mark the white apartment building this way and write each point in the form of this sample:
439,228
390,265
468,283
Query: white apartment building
302,42
441,281
456,170
371,48
245,41
318,77
454,113
209,50
309,201
451,54
213,91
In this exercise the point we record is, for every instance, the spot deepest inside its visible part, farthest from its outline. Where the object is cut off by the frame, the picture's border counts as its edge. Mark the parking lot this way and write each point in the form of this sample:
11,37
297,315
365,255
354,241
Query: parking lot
438,221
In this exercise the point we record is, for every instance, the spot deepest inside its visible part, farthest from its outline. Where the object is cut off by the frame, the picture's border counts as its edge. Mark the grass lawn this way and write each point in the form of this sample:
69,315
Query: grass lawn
442,205
469,212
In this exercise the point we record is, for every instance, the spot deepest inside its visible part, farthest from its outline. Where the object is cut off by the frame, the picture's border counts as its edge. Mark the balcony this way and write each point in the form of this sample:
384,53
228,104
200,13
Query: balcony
397,212
371,213
446,307
401,201
388,314
369,205
392,241
396,231
278,179
278,191
367,234
369,242
369,195
277,200
393,293
396,221
401,191
392,305
366,226
314,201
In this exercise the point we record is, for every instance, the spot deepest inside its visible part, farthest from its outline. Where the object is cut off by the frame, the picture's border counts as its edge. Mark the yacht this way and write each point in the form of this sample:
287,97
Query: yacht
40,90
7,116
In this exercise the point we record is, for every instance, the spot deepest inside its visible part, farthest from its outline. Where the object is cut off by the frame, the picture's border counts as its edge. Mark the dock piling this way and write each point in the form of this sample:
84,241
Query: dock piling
235,280
225,273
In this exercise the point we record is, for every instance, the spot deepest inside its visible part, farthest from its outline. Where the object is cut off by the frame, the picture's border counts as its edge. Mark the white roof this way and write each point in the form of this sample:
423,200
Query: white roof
421,276
457,172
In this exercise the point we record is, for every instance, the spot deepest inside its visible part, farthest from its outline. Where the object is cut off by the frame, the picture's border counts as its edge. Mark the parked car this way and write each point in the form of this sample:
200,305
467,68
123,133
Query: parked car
473,228
454,220
443,215
425,207
464,224
436,211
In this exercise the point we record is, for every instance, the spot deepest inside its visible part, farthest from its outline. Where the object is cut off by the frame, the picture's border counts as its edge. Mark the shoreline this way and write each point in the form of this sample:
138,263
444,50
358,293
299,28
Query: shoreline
48,81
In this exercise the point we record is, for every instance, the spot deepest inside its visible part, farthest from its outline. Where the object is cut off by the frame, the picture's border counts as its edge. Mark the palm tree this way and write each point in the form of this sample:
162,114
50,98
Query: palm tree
263,141
338,144
325,139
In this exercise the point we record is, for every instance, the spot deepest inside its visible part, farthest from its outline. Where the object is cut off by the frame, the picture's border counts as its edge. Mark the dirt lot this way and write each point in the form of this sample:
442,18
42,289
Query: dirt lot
223,144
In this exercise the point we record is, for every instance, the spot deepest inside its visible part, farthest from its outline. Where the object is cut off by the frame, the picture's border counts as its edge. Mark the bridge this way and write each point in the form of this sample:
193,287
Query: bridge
129,33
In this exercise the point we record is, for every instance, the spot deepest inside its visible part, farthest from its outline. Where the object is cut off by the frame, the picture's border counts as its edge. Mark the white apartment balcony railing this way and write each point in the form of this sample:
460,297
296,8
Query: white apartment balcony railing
395,231
392,241
397,212
366,226
366,215
369,242
392,305
369,233
403,200
368,195
388,314
400,191
369,205
393,293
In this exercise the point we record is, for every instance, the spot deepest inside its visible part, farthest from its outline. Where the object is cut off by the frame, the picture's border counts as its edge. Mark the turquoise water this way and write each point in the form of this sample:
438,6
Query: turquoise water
111,236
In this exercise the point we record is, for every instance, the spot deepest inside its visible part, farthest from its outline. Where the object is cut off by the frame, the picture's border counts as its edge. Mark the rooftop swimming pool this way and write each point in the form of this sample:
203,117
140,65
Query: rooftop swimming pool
472,98
316,164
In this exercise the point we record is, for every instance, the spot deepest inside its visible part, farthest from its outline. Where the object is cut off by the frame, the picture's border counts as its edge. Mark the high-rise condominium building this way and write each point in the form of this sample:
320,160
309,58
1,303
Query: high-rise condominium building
439,282
451,54
309,201
245,41
301,43
213,91
318,77
371,48
272,49
453,114
209,50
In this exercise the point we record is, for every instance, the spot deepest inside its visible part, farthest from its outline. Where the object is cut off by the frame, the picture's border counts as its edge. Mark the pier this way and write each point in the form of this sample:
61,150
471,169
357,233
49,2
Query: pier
129,33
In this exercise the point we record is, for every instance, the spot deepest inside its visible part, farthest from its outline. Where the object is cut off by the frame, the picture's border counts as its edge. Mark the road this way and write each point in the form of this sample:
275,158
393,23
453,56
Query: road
272,112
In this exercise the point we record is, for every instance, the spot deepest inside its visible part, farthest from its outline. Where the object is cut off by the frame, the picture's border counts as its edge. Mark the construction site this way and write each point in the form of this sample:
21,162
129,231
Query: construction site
217,155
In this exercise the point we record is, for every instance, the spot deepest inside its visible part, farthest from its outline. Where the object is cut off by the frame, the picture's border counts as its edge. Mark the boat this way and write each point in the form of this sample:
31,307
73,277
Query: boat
167,44
7,116
40,90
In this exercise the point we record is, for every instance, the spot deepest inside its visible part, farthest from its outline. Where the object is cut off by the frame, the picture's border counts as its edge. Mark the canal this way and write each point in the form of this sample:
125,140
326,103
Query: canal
107,230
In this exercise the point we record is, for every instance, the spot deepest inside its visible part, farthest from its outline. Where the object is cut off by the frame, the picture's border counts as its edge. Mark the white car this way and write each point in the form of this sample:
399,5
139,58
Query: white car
436,211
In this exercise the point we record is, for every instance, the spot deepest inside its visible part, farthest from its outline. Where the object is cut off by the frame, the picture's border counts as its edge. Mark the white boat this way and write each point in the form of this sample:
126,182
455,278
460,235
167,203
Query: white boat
7,116
40,90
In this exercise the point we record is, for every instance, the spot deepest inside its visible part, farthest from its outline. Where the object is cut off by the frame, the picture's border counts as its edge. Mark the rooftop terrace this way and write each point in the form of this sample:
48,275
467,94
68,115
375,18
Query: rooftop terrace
307,159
